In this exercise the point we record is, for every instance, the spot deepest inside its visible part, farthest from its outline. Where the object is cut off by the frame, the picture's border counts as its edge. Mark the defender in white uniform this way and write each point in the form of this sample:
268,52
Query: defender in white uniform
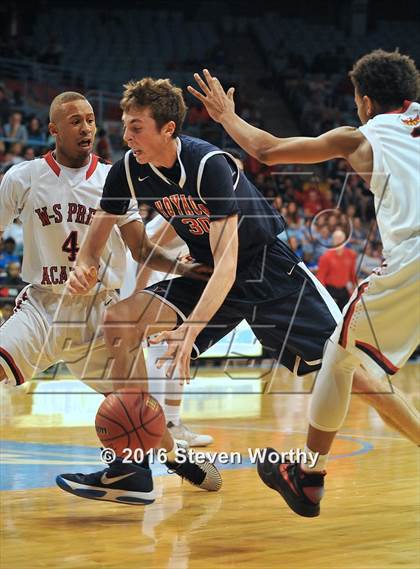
380,328
56,198
56,205
381,321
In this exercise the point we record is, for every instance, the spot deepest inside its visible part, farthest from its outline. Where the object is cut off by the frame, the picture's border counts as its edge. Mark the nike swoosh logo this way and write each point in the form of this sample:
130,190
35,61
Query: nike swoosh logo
291,270
105,480
142,179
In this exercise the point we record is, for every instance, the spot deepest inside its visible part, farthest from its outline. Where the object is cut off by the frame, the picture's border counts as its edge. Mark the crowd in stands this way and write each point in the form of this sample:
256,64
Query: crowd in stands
307,201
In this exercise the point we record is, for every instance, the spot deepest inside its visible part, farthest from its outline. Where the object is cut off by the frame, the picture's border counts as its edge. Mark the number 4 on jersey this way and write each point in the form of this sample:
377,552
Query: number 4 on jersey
70,245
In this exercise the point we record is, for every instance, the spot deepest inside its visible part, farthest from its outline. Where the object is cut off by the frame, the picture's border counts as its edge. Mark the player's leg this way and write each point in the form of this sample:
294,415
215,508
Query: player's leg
23,340
126,324
120,482
380,330
169,393
389,402
130,482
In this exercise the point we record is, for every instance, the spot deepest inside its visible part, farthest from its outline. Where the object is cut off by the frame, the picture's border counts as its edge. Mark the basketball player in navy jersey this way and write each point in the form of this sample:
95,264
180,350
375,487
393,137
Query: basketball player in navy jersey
227,224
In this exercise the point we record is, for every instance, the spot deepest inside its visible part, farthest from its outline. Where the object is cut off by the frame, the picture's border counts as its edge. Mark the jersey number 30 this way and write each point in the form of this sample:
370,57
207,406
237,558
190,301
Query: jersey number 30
70,245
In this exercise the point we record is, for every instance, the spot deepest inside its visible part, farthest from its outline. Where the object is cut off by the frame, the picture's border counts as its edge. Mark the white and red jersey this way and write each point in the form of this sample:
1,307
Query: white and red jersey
56,205
395,141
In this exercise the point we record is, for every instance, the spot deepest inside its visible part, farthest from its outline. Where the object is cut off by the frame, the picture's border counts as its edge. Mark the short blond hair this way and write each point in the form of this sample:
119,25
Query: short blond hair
164,99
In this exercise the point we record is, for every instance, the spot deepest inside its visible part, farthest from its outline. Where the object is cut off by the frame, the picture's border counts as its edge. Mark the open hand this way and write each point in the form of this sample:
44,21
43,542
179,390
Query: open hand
178,355
218,103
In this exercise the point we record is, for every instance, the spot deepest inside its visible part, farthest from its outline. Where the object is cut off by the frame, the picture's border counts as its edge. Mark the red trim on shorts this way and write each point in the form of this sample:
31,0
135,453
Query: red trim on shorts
92,166
11,363
349,314
401,110
377,356
49,158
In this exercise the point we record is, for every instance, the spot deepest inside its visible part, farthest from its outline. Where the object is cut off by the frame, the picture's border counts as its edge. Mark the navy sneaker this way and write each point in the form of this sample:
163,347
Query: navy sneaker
122,483
301,491
202,474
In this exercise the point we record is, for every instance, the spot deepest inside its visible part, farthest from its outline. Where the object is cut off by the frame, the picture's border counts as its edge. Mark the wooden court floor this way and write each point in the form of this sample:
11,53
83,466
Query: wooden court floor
369,518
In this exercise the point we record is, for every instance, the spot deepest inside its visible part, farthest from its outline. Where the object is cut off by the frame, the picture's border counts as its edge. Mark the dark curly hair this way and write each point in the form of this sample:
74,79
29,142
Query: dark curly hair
388,78
164,99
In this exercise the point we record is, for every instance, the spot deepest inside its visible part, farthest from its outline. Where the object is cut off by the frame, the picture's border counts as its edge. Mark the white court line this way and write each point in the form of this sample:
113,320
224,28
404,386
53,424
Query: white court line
289,431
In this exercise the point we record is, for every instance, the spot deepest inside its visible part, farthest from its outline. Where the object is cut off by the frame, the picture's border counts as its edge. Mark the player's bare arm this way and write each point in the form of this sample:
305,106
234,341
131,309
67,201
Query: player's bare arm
224,245
155,257
85,272
163,236
343,142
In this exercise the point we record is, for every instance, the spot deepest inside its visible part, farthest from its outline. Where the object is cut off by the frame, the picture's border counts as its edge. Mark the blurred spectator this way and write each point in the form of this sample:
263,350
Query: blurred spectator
4,106
15,231
277,203
312,201
8,252
14,155
358,236
368,260
296,246
6,310
36,134
197,114
294,219
337,270
103,145
12,277
29,153
3,154
322,240
14,129
11,283
52,53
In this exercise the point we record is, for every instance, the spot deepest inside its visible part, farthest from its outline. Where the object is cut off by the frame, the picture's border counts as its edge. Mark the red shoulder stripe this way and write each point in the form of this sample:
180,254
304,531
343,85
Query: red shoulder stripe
49,158
92,167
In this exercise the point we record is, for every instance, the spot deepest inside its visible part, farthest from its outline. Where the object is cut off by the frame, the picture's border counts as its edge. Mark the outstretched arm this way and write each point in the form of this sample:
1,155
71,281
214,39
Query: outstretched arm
338,143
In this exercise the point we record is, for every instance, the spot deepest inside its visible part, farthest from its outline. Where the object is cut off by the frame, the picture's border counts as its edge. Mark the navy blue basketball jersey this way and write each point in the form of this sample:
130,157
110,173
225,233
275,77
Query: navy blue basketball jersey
208,186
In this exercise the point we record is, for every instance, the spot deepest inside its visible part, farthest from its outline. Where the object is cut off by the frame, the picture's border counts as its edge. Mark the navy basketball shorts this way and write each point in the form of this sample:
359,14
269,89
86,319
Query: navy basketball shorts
289,311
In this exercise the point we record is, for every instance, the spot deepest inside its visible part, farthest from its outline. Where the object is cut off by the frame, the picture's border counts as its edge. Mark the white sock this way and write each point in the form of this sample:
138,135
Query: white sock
320,464
175,392
172,413
156,377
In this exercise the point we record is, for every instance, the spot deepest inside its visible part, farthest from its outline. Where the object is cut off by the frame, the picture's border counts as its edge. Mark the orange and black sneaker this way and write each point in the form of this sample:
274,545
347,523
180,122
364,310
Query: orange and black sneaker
301,491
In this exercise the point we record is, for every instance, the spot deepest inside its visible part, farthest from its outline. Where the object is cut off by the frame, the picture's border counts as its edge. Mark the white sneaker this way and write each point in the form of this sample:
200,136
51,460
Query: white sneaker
193,439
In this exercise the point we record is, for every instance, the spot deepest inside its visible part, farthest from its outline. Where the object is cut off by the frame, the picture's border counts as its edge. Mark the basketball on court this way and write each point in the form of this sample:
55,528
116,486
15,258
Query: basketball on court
130,418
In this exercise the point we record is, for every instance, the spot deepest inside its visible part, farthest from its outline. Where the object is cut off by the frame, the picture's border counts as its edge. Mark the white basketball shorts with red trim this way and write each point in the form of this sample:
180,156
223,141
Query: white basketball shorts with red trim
381,320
